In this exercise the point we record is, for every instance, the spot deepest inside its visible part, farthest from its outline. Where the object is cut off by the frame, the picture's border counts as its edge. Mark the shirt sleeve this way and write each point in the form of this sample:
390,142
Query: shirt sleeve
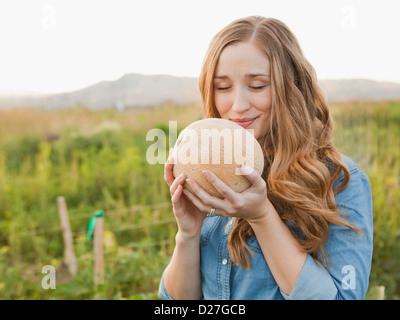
162,291
350,254
313,283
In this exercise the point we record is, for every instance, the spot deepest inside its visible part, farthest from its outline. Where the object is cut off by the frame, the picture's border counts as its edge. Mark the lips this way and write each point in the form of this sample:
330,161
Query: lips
244,122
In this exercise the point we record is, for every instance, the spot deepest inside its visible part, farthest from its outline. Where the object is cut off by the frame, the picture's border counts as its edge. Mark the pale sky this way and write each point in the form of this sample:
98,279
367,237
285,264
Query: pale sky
63,45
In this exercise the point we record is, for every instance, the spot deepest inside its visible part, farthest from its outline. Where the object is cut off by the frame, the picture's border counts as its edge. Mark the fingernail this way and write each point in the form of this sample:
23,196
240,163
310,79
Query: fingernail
190,181
207,174
246,169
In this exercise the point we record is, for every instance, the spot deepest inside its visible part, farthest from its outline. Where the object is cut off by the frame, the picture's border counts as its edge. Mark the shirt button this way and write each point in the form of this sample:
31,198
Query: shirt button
224,261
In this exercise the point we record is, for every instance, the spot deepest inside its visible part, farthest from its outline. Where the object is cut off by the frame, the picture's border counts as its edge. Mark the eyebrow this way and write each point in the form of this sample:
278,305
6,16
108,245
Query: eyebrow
248,75
221,77
255,75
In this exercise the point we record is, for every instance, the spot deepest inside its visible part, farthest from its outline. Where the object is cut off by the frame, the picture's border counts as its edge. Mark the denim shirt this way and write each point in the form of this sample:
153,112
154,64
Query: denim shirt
350,257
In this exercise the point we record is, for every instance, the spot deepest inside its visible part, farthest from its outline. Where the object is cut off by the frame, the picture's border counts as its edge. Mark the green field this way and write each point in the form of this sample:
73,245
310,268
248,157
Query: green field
96,160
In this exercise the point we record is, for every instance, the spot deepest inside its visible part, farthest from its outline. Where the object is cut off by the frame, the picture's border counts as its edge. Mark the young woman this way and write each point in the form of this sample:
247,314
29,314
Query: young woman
303,230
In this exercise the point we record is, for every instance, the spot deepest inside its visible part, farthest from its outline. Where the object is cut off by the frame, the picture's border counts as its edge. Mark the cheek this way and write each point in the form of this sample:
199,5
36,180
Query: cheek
263,102
264,106
222,103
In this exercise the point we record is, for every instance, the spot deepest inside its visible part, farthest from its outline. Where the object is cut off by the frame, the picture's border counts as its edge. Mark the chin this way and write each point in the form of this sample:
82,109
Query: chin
252,131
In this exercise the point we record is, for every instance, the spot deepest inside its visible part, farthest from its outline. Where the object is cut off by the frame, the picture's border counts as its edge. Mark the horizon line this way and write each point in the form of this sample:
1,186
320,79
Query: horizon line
32,93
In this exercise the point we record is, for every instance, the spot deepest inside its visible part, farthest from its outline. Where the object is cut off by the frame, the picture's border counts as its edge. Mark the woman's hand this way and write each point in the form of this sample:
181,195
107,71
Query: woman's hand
251,204
188,216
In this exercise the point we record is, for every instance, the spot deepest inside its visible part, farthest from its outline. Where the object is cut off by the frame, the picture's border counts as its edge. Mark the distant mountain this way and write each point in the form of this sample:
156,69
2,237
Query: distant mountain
360,90
137,90
133,90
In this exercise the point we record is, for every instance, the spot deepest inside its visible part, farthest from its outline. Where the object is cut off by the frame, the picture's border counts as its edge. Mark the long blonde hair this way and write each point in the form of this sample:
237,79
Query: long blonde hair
301,164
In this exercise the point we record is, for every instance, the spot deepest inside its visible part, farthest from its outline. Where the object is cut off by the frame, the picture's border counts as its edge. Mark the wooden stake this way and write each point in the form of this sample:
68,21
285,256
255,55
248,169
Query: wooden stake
69,252
98,253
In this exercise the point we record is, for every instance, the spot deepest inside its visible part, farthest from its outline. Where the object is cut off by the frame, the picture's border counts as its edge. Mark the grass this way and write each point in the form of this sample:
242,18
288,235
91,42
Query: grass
97,160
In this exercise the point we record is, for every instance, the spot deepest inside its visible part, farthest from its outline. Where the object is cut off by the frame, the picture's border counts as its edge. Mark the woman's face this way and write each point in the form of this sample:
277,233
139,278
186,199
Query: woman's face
242,87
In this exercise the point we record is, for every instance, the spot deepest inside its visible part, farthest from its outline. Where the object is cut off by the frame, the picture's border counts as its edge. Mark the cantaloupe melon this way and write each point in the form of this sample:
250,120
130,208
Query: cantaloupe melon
220,146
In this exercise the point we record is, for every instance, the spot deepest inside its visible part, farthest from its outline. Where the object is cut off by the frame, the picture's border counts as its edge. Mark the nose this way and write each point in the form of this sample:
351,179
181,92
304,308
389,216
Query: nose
240,102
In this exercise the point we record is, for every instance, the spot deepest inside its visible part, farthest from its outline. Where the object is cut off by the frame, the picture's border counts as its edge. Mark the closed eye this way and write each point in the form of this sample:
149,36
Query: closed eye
257,88
223,88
